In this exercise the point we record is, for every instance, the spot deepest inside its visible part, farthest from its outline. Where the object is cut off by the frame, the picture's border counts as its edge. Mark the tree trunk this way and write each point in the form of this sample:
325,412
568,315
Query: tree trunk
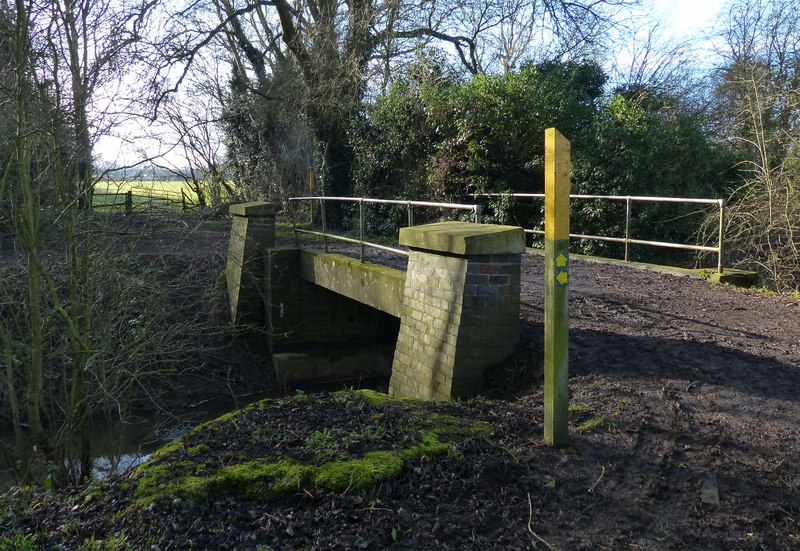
338,160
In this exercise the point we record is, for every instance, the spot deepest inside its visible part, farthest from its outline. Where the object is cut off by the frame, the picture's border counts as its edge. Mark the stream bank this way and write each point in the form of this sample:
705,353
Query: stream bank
683,423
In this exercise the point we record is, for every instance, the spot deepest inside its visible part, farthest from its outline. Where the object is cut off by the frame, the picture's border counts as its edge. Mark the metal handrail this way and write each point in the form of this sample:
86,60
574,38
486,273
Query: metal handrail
627,240
476,210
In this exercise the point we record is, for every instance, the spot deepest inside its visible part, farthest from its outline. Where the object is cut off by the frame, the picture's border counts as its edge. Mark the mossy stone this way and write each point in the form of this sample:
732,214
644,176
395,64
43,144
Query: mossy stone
358,474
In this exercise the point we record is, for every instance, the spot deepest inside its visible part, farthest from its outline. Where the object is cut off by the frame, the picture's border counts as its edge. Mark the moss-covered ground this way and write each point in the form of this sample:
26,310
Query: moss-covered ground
365,438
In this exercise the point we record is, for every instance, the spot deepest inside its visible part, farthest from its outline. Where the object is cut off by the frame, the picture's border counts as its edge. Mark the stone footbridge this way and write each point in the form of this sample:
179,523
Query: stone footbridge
439,325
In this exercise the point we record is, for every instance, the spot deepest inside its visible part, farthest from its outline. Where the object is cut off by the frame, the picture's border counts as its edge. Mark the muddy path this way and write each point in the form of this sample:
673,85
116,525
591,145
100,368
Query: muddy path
695,388
685,415
701,385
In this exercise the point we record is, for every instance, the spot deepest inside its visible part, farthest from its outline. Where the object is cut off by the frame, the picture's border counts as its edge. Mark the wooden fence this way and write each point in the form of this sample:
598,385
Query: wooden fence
142,202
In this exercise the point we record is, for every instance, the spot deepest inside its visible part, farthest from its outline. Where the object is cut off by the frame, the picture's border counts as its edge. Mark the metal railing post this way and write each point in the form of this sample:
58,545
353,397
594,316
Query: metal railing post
361,241
361,226
627,227
293,219
720,251
324,225
311,191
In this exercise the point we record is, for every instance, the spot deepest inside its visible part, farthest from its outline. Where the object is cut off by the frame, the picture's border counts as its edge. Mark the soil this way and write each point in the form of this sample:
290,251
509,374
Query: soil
684,435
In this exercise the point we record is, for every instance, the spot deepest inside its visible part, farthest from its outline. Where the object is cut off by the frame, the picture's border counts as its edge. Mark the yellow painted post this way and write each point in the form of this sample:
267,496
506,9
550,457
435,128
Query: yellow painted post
556,289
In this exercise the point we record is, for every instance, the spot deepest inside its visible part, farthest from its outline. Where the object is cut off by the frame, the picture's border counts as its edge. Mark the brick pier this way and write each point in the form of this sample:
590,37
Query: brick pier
460,308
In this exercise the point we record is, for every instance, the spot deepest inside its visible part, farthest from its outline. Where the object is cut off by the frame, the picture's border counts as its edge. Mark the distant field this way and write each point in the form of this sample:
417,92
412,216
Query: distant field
147,195
154,188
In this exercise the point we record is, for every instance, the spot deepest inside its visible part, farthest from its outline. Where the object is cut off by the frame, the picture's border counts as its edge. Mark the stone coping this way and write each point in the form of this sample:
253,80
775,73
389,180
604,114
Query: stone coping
464,238
256,208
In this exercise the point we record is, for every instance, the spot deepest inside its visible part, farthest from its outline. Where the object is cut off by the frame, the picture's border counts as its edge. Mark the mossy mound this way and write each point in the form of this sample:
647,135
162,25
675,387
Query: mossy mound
341,442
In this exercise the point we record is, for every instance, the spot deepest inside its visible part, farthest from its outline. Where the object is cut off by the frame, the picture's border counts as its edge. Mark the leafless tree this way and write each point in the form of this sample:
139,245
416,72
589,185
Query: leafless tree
59,54
193,122
319,58
758,98
509,31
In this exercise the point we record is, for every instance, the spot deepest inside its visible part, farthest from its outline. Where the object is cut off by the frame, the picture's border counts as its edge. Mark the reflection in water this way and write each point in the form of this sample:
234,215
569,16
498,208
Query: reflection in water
140,439
152,430
139,451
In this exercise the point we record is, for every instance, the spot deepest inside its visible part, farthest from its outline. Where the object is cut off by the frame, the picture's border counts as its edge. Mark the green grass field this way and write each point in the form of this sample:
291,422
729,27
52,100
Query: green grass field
165,189
172,195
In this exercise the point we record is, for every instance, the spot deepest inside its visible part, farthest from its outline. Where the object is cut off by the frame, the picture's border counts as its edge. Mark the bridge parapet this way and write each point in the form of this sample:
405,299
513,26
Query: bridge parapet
460,307
370,284
252,233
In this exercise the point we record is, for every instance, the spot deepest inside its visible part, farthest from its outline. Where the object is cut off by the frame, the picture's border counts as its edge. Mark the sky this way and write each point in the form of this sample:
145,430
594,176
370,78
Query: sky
682,20
688,17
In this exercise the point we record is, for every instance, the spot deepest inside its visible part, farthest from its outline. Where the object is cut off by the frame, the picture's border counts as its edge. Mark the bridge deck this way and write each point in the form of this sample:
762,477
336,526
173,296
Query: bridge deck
654,320
377,286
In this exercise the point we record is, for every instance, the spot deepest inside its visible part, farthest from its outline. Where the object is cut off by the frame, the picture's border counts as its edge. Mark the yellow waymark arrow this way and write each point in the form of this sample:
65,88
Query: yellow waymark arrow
562,277
561,260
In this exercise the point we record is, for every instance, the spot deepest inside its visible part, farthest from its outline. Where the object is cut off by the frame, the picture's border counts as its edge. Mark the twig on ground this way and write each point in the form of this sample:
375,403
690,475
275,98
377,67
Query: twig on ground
627,436
534,534
599,478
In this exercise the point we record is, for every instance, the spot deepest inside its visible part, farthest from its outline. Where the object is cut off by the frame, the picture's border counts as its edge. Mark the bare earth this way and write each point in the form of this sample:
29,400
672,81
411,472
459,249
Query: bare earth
702,384
684,435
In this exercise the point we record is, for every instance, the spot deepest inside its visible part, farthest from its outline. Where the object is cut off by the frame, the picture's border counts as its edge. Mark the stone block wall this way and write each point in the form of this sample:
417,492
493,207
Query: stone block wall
252,232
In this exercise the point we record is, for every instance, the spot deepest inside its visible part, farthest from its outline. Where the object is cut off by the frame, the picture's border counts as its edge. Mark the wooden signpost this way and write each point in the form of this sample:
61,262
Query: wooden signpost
556,288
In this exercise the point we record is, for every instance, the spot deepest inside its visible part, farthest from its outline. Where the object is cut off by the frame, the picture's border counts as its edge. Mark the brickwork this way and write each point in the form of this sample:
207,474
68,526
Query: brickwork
460,315
426,344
